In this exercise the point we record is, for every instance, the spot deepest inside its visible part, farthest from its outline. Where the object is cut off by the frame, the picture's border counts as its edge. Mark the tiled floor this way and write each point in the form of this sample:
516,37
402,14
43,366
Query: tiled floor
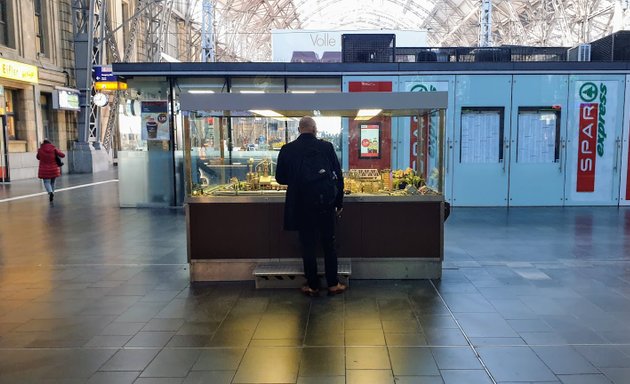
90,293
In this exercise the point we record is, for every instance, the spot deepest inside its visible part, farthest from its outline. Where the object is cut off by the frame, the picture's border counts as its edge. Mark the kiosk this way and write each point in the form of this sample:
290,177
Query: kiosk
392,226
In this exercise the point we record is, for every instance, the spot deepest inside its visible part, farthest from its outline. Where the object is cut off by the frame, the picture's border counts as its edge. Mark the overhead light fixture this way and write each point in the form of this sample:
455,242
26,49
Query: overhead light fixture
200,91
367,114
245,91
299,91
266,113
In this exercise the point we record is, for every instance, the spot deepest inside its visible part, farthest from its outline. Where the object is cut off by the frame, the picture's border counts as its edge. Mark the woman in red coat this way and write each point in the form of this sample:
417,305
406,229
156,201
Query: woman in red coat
48,168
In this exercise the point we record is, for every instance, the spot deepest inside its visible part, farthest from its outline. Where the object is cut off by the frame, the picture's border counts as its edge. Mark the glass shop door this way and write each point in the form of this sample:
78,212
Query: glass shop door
538,140
480,140
4,157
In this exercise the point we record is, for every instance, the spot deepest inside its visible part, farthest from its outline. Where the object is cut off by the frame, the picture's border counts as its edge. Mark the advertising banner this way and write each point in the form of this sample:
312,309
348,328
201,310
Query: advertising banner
291,45
593,140
154,116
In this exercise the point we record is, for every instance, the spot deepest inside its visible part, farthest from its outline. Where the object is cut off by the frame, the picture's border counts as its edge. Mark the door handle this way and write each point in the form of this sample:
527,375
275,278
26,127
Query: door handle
561,155
617,152
506,147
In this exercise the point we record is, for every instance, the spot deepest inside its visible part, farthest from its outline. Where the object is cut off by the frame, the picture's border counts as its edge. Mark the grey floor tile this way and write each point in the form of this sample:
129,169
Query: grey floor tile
405,339
419,380
172,363
322,380
122,329
324,361
108,341
584,379
455,358
113,377
150,339
604,356
496,341
369,376
465,377
364,337
163,325
159,380
255,365
564,360
367,358
412,361
217,359
484,325
130,360
445,336
617,375
514,364
207,377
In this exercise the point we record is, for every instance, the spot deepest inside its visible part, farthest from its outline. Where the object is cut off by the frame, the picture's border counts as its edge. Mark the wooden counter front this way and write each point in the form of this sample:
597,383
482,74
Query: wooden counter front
250,227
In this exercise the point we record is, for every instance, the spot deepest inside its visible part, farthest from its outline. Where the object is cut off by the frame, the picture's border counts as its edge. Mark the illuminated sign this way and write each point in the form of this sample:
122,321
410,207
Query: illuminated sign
110,86
18,71
103,73
66,99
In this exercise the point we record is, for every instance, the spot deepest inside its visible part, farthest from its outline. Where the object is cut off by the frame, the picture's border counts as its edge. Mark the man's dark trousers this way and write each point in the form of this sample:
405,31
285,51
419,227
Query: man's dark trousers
319,227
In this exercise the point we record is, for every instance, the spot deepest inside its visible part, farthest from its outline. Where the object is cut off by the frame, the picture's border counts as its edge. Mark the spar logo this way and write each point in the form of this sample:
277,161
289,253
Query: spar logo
589,92
592,125
426,121
423,88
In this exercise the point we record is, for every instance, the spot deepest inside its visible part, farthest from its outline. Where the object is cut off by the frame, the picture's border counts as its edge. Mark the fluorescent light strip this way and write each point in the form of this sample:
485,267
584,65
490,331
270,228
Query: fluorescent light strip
251,91
200,91
367,114
266,113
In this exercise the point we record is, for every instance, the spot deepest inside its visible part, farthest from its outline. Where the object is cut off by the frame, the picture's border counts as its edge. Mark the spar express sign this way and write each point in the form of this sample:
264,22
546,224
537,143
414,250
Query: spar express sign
596,107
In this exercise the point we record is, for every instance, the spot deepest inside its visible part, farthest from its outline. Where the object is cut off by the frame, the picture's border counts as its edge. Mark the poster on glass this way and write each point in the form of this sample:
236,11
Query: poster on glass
155,120
370,141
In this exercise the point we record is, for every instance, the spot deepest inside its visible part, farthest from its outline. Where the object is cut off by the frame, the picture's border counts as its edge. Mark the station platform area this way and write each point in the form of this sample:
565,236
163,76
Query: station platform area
92,293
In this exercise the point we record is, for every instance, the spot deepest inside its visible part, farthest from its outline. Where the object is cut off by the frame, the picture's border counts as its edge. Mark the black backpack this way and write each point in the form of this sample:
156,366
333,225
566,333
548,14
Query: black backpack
318,181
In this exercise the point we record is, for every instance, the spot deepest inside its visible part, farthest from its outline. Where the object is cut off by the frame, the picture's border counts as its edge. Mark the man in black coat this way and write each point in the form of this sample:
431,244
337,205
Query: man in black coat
312,224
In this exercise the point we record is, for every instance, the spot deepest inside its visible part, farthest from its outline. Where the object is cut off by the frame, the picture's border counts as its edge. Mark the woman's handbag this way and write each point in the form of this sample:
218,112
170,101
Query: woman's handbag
58,160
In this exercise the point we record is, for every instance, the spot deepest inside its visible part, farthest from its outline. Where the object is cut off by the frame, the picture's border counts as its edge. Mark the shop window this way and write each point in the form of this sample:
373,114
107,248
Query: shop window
481,135
538,139
40,26
6,24
11,101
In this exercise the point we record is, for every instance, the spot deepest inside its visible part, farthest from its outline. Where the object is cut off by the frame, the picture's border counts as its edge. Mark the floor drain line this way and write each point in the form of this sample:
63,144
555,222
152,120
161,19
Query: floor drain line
465,335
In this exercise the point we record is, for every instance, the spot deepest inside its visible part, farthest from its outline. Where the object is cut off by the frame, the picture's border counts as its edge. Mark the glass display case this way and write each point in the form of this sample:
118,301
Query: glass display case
383,152
389,147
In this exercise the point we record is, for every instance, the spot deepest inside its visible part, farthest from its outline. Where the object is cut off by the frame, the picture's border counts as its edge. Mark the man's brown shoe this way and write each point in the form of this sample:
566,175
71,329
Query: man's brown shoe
337,289
308,291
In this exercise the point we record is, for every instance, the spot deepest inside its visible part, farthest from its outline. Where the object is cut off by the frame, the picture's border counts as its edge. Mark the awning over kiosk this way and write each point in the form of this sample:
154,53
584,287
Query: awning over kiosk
325,104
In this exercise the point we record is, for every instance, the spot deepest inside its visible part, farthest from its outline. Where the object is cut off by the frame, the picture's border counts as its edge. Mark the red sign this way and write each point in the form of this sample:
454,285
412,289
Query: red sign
587,147
370,86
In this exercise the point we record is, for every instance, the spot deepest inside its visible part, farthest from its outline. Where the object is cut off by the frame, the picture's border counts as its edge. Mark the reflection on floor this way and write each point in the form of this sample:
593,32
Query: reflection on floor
90,293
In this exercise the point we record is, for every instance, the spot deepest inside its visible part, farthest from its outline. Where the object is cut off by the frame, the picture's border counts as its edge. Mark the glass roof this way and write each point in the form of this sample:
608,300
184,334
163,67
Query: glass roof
242,27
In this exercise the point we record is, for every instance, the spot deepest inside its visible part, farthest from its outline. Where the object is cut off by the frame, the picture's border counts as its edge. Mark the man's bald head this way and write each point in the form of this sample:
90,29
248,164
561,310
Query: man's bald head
307,125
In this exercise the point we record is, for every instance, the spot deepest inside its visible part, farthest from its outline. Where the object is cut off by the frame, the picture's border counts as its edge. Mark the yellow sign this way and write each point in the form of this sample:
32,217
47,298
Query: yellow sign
18,71
110,86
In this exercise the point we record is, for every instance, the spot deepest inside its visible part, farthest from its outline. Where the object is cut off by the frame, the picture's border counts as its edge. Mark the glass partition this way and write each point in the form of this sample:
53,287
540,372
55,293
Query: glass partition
236,155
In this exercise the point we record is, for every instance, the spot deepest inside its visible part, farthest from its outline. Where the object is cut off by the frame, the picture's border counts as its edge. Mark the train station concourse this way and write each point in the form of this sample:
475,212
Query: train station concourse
92,293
